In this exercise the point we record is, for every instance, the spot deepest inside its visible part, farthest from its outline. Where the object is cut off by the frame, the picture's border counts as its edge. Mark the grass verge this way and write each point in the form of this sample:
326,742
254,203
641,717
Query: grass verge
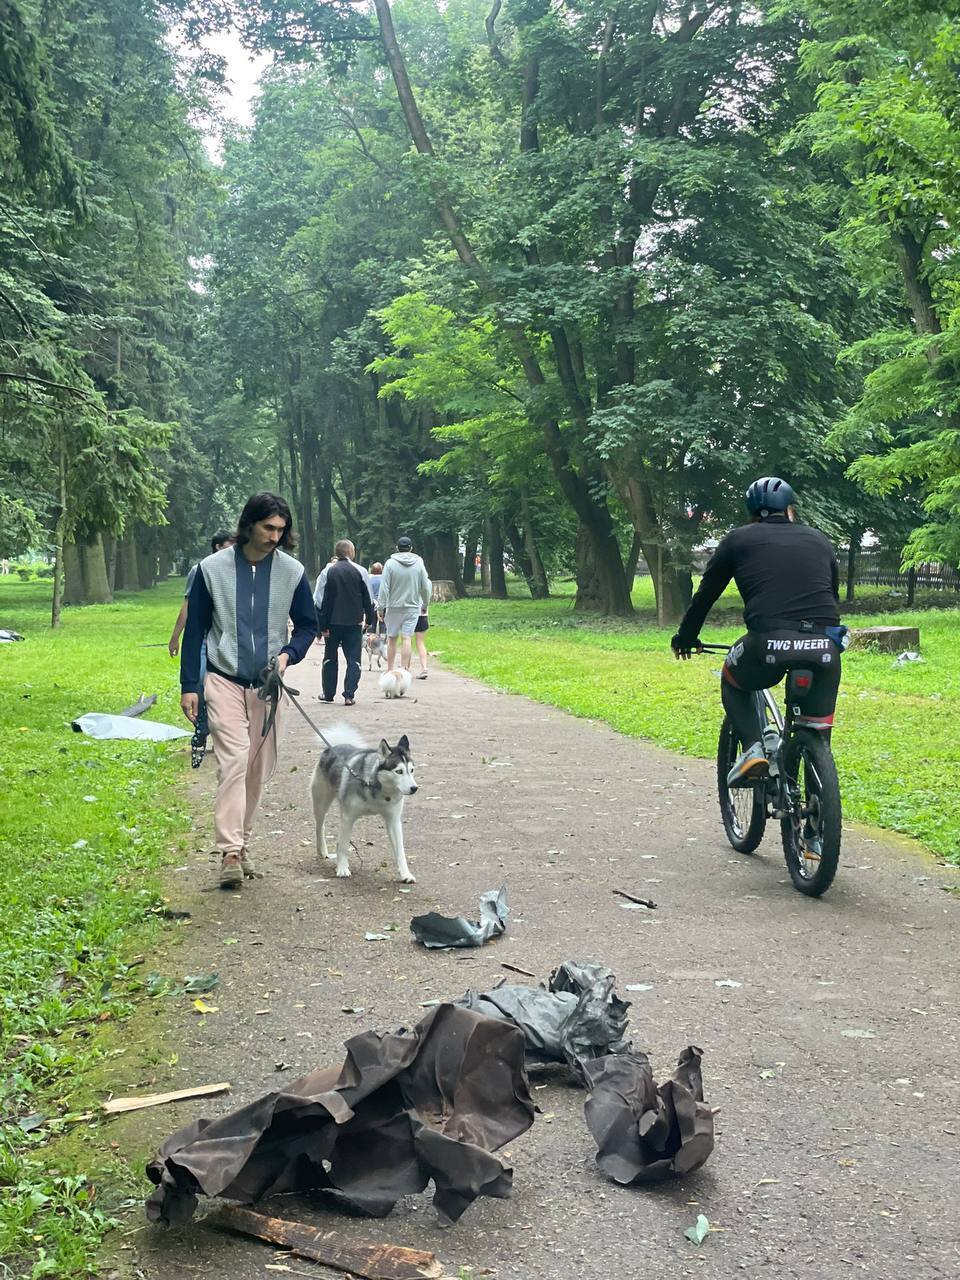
86,828
896,746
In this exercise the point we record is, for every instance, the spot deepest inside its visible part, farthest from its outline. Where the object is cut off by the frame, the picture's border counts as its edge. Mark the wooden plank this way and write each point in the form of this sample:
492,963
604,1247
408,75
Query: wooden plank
118,1105
358,1258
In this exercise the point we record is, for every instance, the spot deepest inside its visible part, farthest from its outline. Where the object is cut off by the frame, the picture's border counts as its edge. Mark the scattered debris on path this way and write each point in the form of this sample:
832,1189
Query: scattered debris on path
377,1128
640,902
645,1133
577,1019
435,930
372,1261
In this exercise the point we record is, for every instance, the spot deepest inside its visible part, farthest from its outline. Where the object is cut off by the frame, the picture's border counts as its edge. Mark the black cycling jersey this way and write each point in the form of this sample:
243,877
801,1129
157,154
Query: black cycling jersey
787,573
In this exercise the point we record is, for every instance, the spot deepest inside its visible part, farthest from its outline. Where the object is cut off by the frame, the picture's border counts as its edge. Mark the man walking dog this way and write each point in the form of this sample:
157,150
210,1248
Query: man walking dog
405,590
240,600
345,605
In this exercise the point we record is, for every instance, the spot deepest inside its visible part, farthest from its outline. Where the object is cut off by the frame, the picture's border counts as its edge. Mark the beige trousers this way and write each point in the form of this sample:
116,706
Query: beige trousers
245,760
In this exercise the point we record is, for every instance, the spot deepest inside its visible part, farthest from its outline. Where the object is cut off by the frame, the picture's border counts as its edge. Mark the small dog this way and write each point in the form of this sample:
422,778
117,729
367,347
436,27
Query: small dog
395,683
365,780
376,647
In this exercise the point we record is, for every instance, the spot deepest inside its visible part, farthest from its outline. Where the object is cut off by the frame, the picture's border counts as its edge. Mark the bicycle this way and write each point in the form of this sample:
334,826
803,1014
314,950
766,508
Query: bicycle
802,788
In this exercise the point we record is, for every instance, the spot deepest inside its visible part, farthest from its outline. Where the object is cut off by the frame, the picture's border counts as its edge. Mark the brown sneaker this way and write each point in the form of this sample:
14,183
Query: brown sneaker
231,871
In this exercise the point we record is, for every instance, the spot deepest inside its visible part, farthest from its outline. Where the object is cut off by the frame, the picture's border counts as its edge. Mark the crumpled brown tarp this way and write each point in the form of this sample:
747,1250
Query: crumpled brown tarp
431,1103
644,1133
578,1019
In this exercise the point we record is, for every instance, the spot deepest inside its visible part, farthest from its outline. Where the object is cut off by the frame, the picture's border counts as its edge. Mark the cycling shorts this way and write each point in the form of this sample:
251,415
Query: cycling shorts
761,659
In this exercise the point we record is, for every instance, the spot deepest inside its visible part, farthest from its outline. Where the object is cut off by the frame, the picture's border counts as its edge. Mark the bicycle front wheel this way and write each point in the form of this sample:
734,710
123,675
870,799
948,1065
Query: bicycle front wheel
811,835
743,809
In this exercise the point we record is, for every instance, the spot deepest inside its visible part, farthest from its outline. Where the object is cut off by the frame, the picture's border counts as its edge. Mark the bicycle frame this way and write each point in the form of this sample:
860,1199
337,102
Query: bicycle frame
781,802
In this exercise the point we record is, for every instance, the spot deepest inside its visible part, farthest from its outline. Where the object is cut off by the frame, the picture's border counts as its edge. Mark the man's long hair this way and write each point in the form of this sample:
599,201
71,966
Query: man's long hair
261,506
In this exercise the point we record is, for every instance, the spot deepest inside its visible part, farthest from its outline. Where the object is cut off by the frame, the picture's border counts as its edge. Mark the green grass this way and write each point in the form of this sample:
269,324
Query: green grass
85,828
895,740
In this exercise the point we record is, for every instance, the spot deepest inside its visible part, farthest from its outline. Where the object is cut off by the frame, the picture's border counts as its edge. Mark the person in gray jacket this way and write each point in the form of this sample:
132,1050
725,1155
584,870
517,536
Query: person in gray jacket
405,590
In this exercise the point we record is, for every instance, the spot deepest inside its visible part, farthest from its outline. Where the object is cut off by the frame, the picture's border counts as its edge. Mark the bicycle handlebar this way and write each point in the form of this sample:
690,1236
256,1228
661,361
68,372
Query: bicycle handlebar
714,648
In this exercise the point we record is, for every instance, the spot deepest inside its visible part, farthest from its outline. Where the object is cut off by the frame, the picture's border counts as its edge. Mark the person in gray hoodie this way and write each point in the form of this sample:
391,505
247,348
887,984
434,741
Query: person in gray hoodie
405,591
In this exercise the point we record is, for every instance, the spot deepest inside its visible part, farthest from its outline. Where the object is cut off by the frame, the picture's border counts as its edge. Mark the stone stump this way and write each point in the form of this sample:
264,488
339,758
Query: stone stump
888,639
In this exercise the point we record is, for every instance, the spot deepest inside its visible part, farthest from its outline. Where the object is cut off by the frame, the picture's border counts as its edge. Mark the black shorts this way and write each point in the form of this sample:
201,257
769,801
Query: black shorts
761,659
422,624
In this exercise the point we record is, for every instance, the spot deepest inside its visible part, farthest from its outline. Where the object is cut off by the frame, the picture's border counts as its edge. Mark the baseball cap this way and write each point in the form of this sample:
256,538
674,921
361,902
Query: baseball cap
404,544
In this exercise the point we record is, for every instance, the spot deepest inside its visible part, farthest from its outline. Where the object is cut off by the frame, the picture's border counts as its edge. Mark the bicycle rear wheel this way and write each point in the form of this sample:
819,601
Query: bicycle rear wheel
812,777
743,809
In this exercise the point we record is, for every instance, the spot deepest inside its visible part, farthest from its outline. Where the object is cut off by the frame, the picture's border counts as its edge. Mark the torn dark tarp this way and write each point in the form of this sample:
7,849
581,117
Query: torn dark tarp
435,930
645,1133
405,1108
579,1018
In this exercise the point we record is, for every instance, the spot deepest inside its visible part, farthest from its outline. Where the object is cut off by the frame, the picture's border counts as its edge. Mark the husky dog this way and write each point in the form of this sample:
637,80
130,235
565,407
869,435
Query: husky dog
365,781
395,683
376,647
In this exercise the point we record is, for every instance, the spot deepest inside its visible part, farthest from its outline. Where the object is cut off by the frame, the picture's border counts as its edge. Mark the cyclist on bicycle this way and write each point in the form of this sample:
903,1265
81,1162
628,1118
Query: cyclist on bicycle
788,576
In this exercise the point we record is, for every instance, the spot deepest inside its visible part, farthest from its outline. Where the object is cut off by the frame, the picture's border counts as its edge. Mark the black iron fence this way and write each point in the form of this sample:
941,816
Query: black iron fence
882,569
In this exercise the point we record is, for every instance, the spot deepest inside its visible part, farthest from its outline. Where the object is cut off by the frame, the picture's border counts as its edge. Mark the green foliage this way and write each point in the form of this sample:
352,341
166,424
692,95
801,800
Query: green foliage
85,827
888,115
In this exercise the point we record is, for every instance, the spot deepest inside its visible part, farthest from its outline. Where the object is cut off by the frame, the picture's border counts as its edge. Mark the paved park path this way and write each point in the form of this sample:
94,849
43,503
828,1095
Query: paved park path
837,1155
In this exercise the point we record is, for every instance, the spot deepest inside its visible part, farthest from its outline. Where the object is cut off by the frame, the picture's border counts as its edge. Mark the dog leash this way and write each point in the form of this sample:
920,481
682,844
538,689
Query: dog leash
271,689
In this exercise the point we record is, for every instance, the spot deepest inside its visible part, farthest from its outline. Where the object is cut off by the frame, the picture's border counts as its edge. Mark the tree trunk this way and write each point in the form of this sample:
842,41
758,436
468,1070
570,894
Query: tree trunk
58,532
533,574
471,543
146,559
909,253
853,555
493,541
601,584
633,559
442,557
308,530
672,583
128,569
323,476
98,588
541,585
110,556
520,556
74,585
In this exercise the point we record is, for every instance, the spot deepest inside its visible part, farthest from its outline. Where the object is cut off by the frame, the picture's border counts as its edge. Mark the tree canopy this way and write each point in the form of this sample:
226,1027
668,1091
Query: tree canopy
551,280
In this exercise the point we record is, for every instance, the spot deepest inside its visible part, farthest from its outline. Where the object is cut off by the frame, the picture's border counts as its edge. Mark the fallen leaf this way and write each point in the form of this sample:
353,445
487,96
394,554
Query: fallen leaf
375,937
727,982
639,986
200,984
201,1006
700,1229
859,1033
349,1008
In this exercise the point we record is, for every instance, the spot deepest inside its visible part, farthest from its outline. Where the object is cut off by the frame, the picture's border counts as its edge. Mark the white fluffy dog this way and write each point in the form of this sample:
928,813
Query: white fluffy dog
395,683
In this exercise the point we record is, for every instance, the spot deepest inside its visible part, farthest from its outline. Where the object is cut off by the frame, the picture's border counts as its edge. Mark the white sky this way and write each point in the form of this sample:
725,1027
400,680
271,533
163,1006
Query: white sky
243,70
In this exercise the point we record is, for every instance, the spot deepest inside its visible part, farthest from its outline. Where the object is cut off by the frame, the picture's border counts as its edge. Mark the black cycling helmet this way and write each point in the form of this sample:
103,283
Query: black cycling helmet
770,496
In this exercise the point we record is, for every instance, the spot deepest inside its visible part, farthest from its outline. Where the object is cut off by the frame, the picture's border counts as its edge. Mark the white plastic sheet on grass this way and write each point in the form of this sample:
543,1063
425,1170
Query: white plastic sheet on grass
97,724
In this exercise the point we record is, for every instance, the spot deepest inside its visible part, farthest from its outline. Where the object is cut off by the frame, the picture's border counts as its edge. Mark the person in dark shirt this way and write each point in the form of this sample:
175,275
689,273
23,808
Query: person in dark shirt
345,606
788,576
